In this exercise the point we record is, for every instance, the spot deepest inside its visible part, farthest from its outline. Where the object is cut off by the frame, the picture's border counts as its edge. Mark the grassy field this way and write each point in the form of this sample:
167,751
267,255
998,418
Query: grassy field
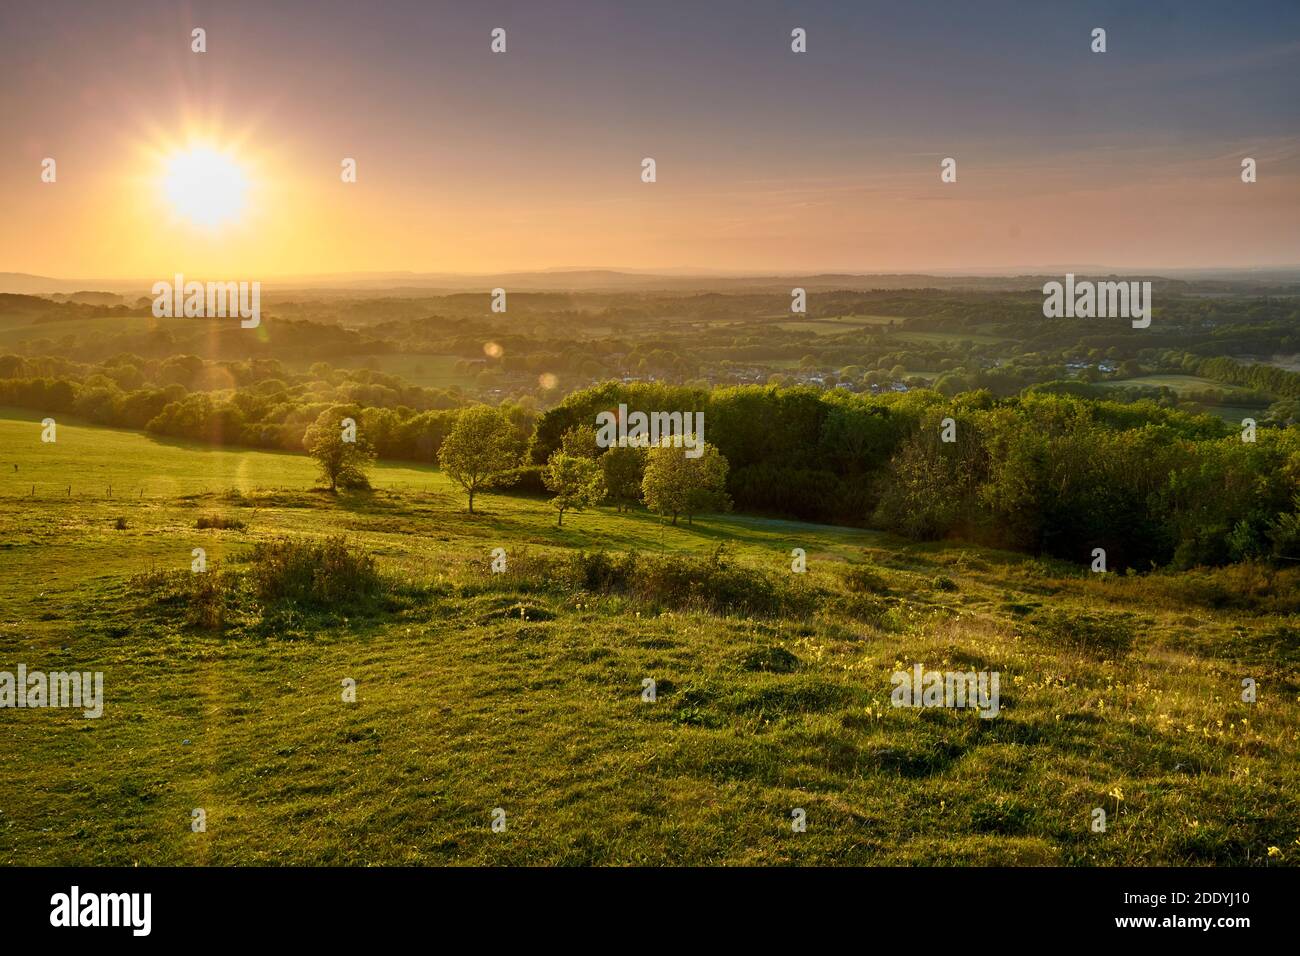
837,324
950,338
517,691
1179,383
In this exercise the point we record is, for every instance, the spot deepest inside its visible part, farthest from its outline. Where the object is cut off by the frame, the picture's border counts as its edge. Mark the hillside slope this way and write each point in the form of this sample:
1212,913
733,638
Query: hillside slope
523,691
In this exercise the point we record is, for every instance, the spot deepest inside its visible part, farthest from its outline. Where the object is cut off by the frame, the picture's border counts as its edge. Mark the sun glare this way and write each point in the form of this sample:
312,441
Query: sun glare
204,186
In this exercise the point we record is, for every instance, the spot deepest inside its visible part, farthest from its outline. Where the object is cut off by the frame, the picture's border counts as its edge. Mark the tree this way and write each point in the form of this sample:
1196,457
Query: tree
677,485
624,468
576,481
481,451
932,484
343,463
580,441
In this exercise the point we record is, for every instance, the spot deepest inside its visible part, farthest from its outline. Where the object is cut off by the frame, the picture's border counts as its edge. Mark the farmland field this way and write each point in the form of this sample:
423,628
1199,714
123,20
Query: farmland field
950,338
1179,383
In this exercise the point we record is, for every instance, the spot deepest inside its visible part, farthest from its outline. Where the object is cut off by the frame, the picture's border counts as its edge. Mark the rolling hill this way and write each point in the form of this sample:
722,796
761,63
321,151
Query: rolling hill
523,692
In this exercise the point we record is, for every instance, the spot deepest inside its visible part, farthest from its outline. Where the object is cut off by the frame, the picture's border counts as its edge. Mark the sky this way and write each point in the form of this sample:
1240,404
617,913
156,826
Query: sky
766,160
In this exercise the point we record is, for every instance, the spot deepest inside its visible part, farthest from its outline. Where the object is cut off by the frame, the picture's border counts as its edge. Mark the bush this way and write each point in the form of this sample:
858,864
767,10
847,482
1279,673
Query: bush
202,596
1097,633
859,577
714,584
773,660
1284,533
119,524
205,605
680,582
601,572
325,574
528,480
868,609
219,523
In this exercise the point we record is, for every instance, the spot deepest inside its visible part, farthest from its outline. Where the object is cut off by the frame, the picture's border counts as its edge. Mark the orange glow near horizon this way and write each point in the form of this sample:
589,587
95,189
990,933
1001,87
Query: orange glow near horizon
294,216
473,163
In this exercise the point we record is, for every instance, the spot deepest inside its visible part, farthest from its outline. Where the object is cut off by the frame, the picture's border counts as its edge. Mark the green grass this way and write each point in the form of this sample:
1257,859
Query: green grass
1179,383
477,691
835,325
90,459
950,338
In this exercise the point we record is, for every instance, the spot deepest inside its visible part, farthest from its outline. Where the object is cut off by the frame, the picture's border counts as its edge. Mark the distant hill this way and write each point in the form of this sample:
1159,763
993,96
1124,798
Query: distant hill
90,298
21,283
405,284
18,310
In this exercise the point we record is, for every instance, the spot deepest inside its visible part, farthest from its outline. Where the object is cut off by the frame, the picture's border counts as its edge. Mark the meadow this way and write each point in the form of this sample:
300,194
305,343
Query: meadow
834,325
523,690
1179,383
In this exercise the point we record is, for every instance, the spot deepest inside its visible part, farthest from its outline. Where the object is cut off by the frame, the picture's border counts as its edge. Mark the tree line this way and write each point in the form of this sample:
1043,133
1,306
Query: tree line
1047,473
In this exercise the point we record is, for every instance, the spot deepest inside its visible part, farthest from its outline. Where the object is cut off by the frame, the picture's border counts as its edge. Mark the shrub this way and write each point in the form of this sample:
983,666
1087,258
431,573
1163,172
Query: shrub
119,524
219,523
1284,533
859,577
205,605
868,609
681,582
202,597
714,584
1096,633
322,574
774,660
528,480
600,571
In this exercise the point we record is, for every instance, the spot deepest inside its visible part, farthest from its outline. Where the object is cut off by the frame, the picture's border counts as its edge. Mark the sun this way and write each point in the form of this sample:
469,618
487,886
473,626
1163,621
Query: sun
205,186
